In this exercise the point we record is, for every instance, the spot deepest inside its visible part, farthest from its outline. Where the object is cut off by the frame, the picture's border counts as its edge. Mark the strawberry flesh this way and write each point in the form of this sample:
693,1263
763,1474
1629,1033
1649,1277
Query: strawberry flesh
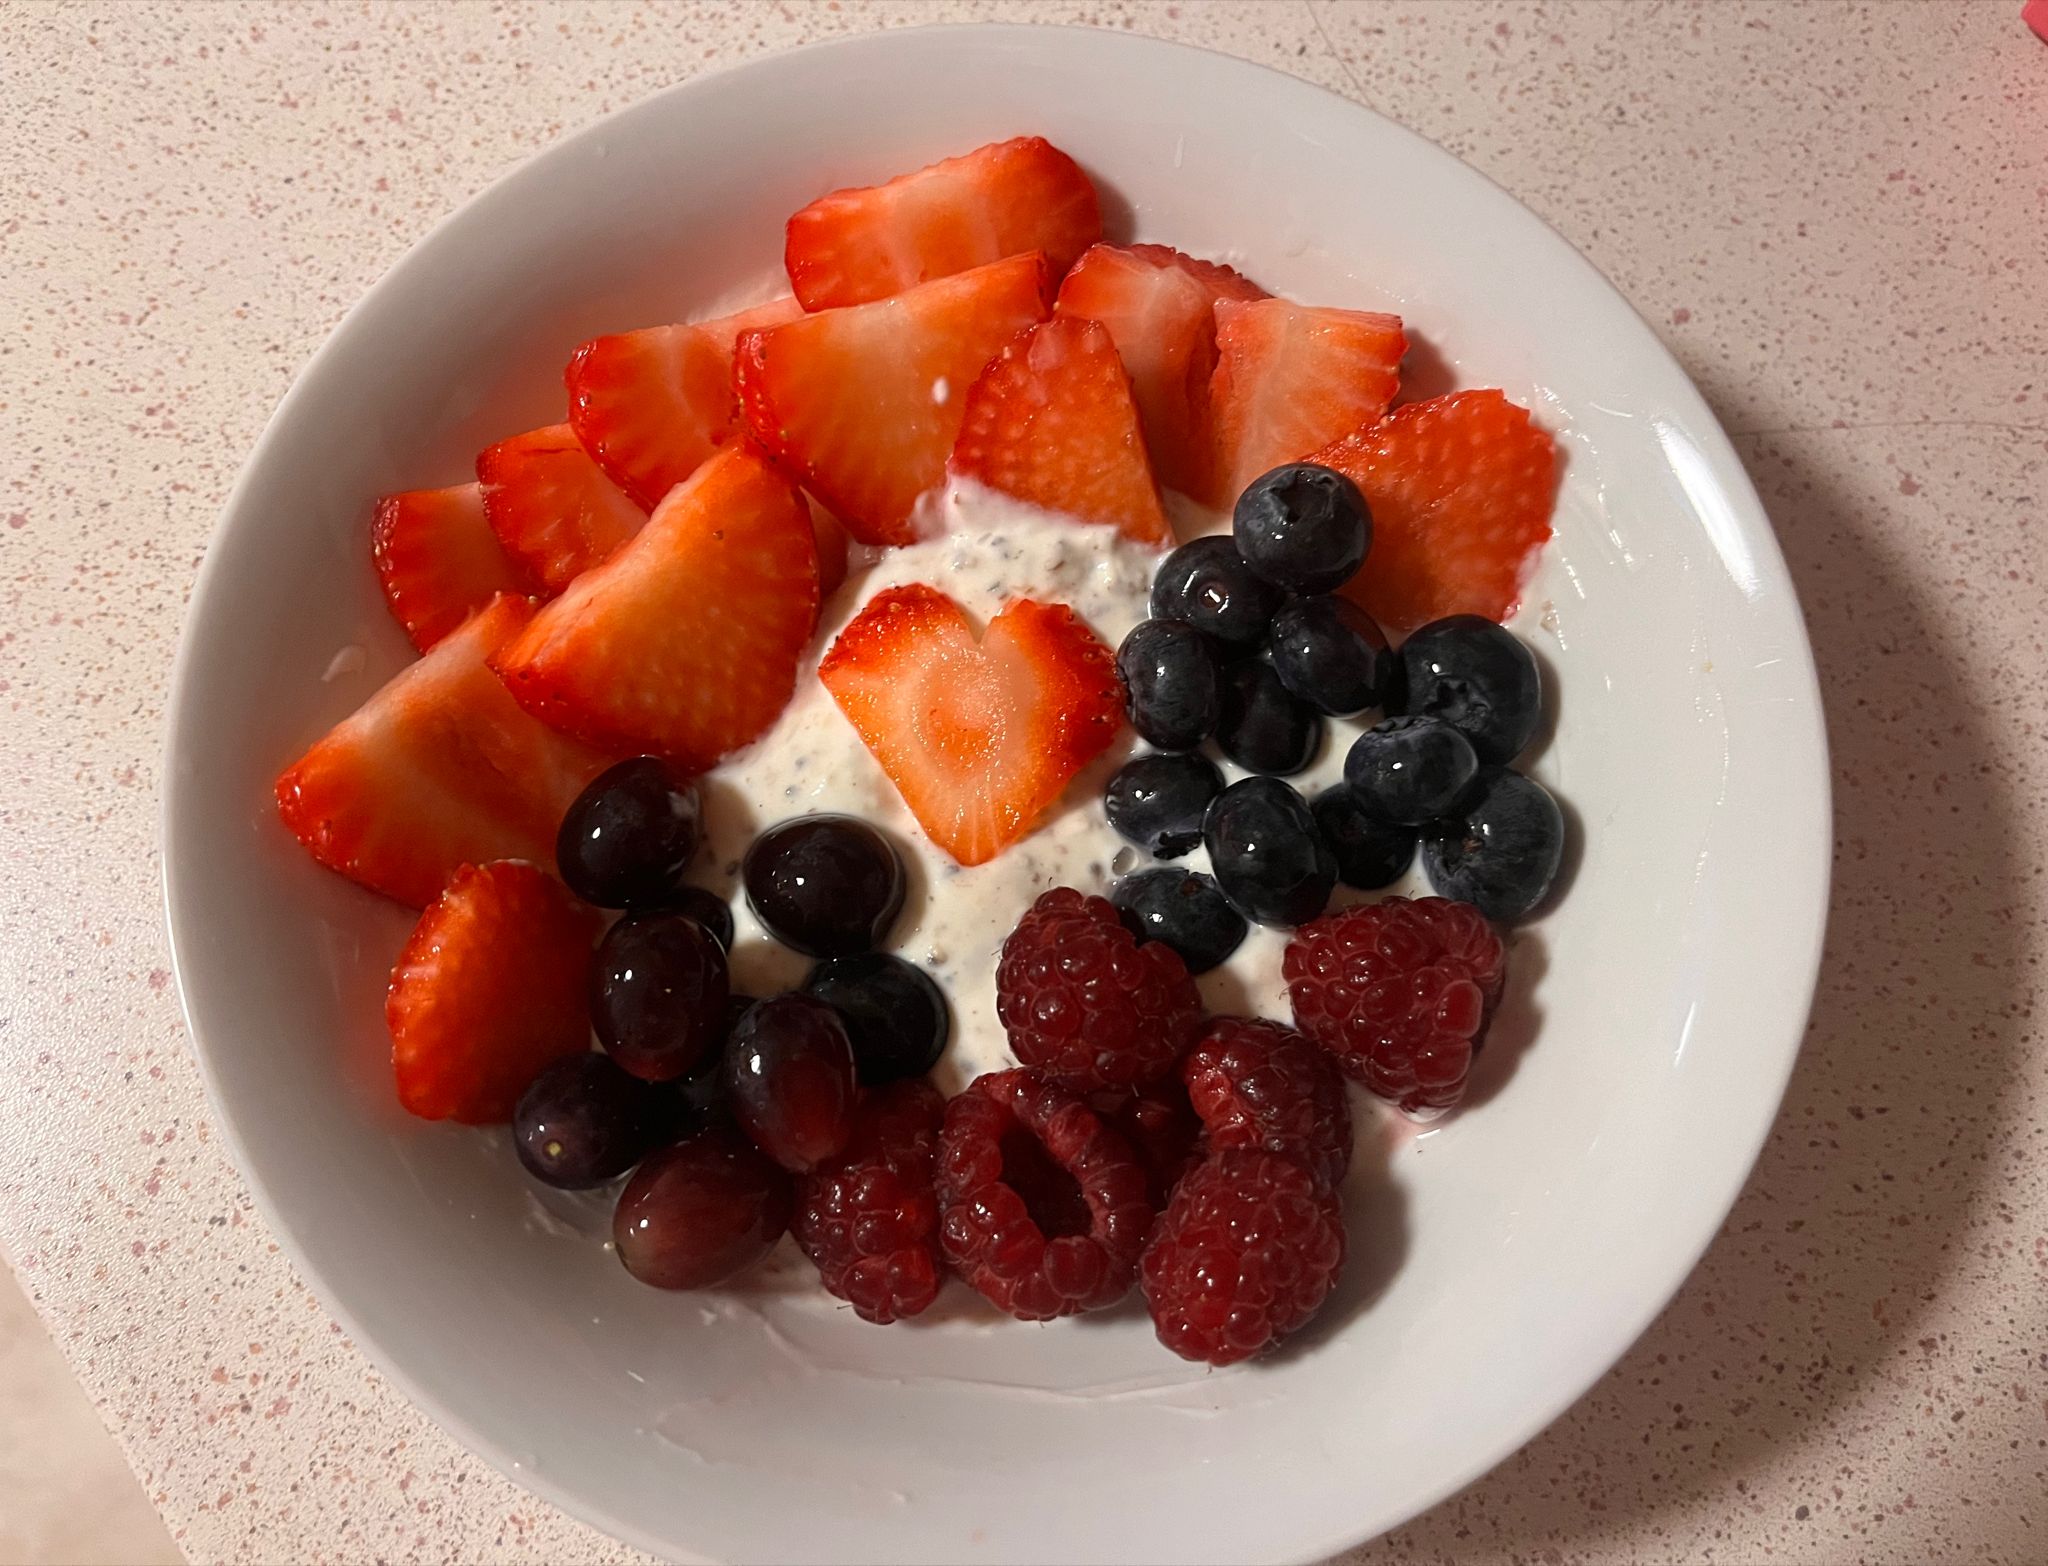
651,405
488,992
1159,308
685,643
1461,489
439,769
437,559
864,404
554,511
1290,379
979,737
1005,199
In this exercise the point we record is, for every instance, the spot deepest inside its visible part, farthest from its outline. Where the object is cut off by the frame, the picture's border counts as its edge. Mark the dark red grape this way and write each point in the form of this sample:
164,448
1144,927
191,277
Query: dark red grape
895,1015
627,839
708,909
585,1121
657,994
789,1075
827,886
696,1213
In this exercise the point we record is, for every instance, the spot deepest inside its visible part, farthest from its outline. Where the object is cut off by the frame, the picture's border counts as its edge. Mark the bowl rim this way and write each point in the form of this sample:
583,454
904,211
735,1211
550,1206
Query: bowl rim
1807,782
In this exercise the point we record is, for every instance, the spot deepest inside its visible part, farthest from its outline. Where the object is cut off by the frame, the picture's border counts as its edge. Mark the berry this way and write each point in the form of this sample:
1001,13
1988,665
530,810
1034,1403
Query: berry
1051,422
1501,851
1370,853
1084,1003
684,644
790,1080
650,406
553,510
438,770
1184,910
702,1087
698,1212
1289,379
627,839
437,559
1160,1125
488,991
870,1219
657,994
1159,308
1328,652
1266,853
979,737
1158,802
1302,528
847,400
1400,992
708,909
1206,583
895,1015
1410,770
583,1121
826,885
1245,1254
1264,727
1004,199
1478,678
1461,489
1171,682
1257,1084
1042,1207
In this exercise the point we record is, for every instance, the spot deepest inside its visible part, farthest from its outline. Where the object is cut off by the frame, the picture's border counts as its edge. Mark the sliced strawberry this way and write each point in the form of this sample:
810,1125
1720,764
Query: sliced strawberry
865,403
1004,199
438,559
650,405
1461,489
686,642
1291,378
979,737
1051,421
439,769
831,539
1159,307
490,989
554,511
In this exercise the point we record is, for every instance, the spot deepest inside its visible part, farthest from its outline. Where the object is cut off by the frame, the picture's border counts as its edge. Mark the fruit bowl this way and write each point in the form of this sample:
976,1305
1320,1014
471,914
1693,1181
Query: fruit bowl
1512,1252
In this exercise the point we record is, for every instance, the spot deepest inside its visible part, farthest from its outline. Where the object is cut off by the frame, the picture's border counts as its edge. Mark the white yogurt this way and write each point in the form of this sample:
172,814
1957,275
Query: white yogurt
982,549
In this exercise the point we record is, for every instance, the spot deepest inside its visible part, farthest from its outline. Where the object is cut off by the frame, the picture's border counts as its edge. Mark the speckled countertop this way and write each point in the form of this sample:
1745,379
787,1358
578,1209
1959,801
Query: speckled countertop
1834,214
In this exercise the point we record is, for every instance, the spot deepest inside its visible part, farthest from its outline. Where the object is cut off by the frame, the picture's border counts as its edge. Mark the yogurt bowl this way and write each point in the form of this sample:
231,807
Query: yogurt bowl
1502,1259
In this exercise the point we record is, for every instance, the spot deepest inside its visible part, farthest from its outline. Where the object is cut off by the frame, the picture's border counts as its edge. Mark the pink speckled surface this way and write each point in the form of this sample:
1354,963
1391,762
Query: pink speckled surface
1833,214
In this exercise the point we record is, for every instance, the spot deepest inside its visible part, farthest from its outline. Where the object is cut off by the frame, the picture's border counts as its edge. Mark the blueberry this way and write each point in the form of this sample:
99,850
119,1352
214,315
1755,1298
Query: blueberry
658,988
1266,853
629,836
1410,770
1479,679
827,886
1158,801
1264,727
1330,654
713,912
1501,852
895,1015
584,1121
1371,853
1187,911
1207,584
1303,527
1170,683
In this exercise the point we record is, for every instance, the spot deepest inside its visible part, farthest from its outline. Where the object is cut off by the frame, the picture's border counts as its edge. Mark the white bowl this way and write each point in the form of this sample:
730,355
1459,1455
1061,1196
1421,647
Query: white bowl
1507,1259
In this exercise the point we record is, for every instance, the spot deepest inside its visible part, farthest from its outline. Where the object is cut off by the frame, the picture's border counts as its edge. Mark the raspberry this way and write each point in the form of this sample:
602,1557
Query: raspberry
1400,992
1161,1127
1260,1085
870,1219
1042,1206
1246,1254
1084,1003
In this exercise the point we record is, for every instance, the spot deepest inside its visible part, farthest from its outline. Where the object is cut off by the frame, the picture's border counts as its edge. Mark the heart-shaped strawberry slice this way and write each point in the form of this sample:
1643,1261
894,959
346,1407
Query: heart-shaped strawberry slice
979,737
